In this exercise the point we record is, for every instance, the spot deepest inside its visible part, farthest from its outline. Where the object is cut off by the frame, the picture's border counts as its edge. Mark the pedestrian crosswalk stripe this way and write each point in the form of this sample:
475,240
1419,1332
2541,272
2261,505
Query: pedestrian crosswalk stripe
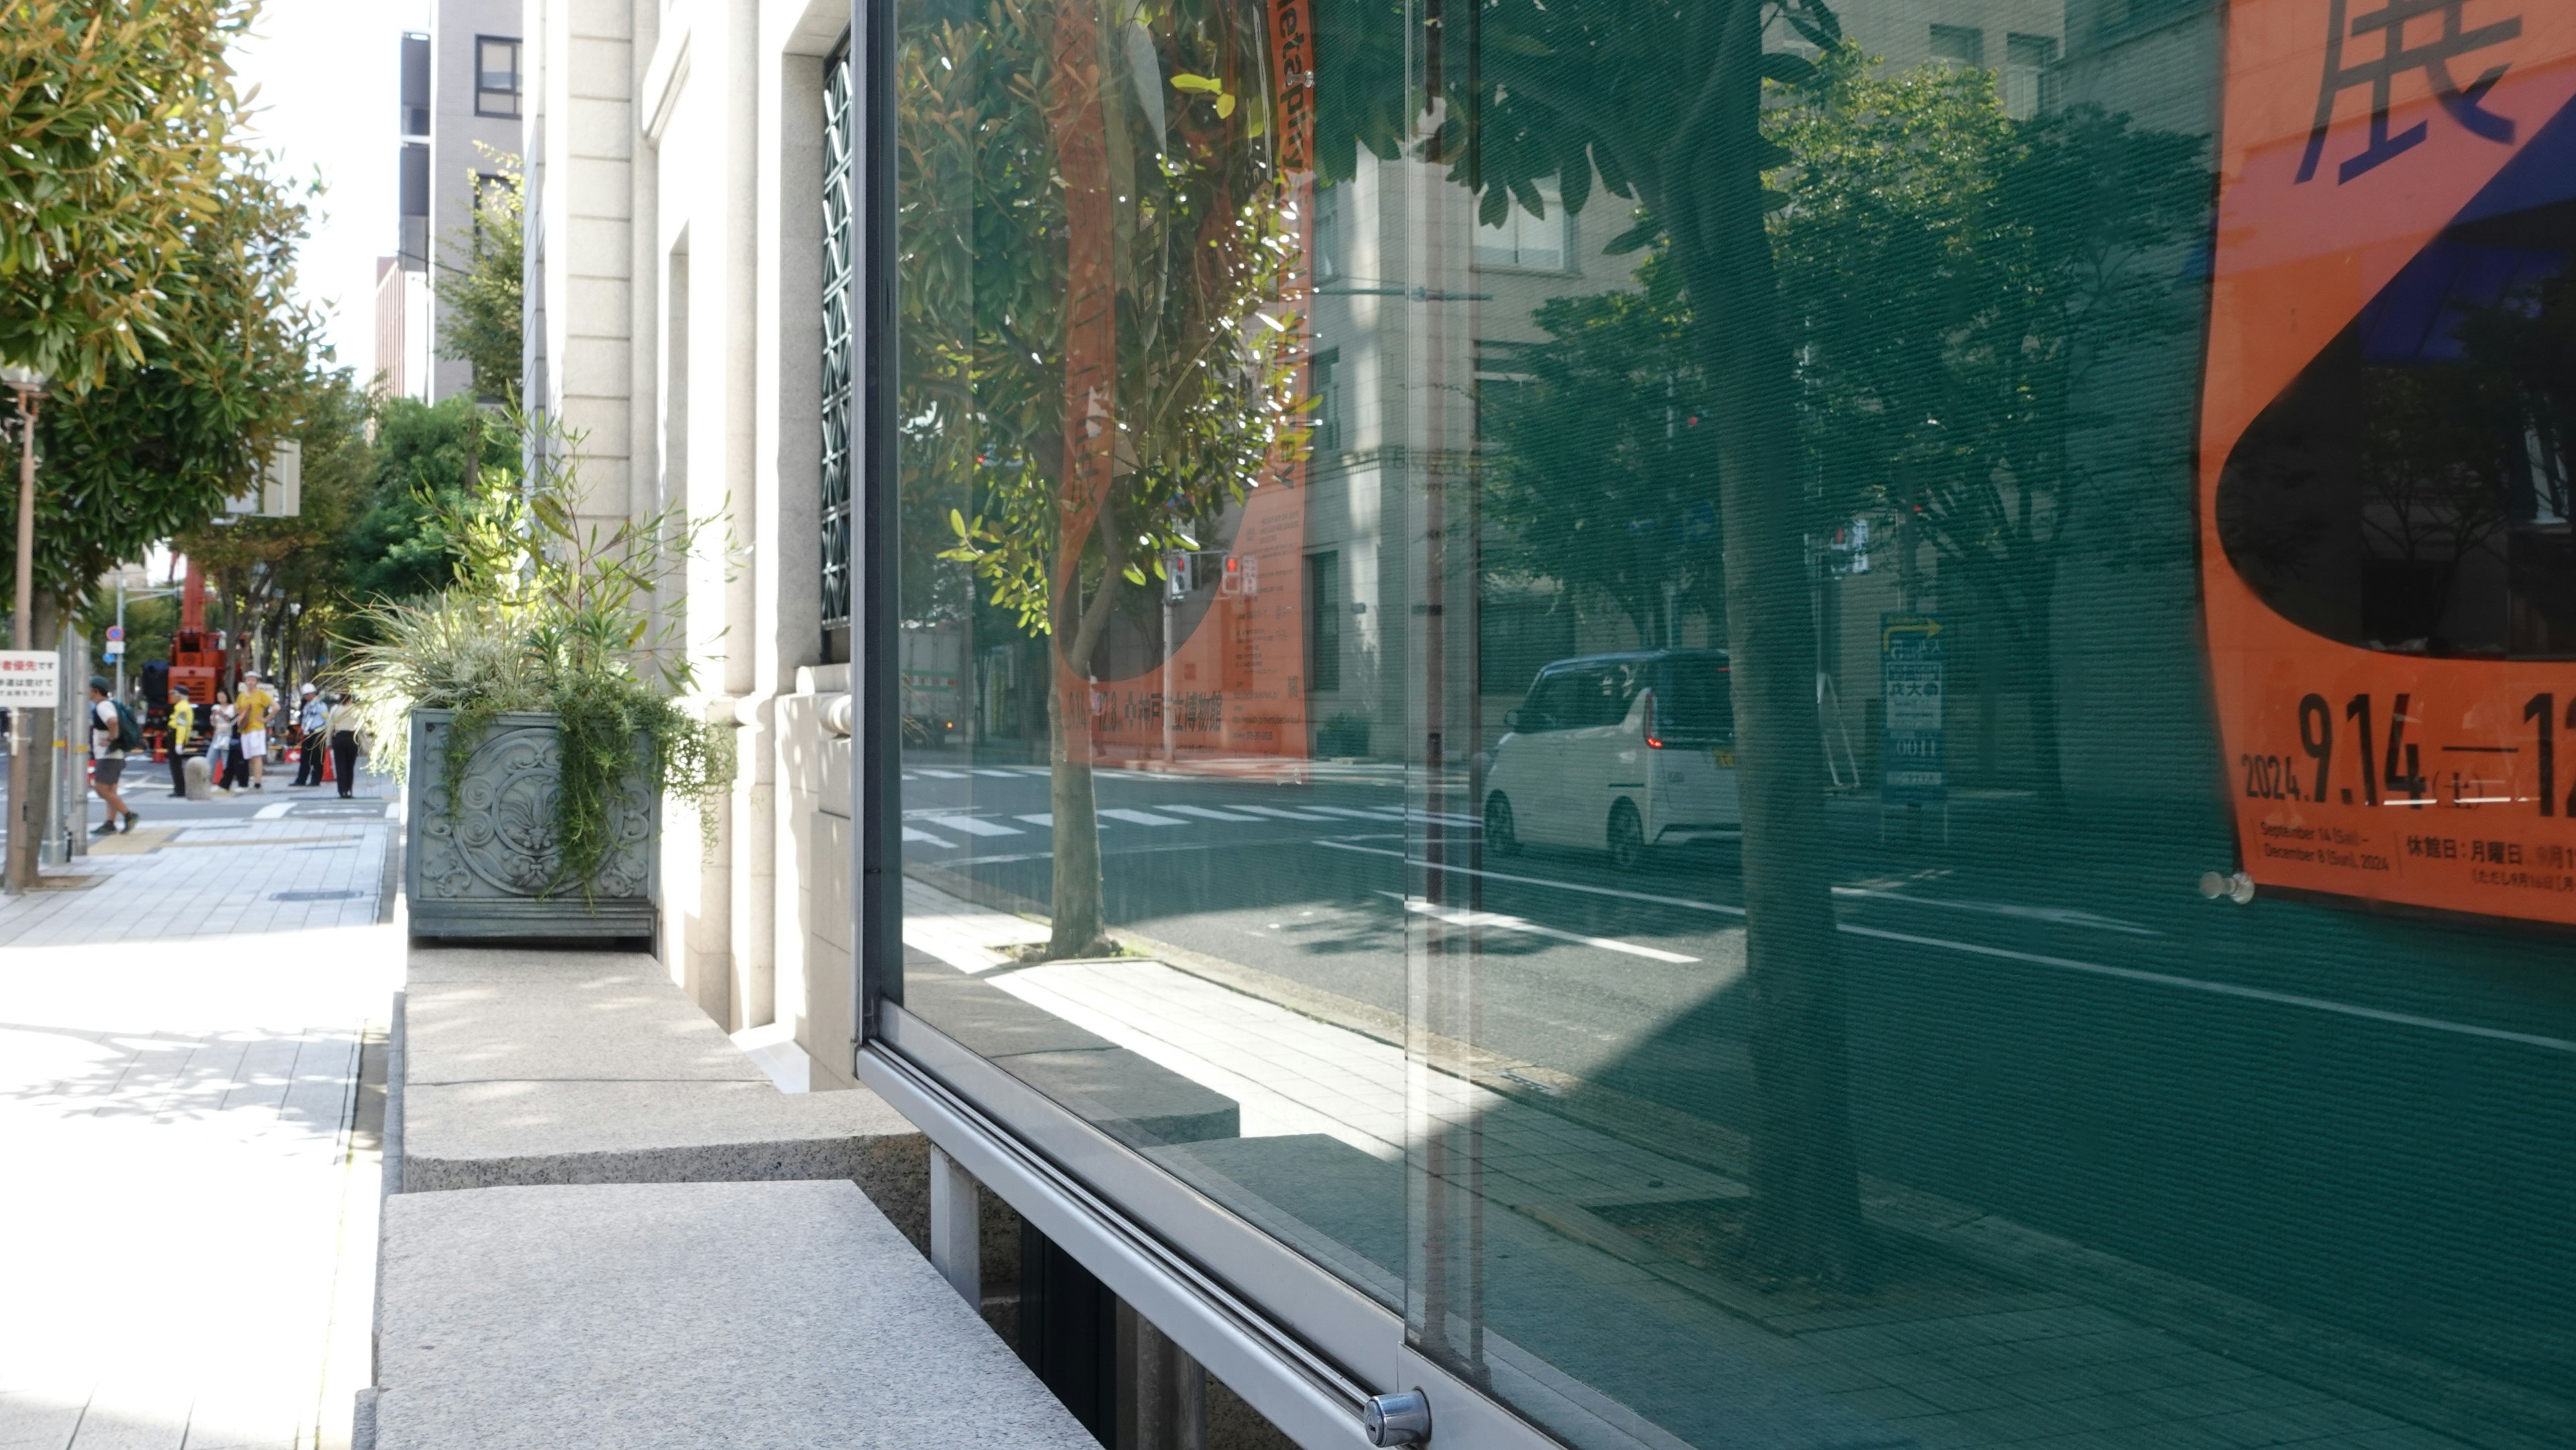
1208,813
927,839
986,770
1038,818
1142,818
942,774
1283,815
971,826
1381,814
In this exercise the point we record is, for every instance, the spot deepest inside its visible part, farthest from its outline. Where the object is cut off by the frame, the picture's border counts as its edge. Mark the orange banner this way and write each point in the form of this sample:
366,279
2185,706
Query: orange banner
2387,572
1229,694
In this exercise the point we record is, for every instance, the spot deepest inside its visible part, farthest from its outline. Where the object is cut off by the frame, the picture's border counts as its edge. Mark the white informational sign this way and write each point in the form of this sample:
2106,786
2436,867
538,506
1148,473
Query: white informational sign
30,677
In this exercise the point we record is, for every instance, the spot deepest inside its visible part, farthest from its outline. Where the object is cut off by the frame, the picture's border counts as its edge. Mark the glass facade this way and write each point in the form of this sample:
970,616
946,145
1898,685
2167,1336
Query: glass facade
1801,742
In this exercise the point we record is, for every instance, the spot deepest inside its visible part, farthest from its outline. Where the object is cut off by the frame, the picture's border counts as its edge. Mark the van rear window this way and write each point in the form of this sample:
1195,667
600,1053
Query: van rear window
1695,702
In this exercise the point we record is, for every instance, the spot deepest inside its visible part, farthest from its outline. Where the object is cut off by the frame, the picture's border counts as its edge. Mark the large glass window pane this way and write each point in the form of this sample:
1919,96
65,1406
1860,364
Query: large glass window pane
1831,748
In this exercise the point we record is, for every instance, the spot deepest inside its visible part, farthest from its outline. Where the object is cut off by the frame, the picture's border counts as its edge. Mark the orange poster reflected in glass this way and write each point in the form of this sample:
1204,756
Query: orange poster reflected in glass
2387,437
1228,695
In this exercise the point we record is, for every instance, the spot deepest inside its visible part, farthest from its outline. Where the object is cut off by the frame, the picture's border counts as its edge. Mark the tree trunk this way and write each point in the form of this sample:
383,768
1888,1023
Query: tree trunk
1806,1209
1077,927
1074,907
1088,472
2039,678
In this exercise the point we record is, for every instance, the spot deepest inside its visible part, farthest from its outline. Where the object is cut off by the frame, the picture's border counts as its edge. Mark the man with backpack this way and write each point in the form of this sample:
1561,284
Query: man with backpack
112,732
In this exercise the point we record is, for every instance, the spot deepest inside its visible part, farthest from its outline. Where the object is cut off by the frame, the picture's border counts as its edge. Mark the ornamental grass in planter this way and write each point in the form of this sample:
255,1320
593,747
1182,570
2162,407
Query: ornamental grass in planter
540,698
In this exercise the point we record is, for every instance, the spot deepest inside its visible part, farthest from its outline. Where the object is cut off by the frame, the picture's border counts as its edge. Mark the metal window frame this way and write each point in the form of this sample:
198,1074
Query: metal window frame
518,76
1295,1341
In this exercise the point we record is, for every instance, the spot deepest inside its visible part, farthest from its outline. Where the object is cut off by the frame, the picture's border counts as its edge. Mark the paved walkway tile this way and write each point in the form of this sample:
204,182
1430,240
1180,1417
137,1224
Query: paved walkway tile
190,1215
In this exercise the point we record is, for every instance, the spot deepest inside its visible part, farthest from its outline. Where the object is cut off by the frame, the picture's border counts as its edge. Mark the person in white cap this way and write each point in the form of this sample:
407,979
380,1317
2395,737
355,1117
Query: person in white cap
311,719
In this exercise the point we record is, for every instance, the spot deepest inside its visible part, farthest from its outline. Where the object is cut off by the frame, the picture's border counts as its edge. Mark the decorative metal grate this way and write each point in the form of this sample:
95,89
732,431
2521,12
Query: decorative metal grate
838,213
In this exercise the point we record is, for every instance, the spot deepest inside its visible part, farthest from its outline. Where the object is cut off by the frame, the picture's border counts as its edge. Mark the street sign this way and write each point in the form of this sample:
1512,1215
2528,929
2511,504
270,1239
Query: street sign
1913,672
116,632
30,677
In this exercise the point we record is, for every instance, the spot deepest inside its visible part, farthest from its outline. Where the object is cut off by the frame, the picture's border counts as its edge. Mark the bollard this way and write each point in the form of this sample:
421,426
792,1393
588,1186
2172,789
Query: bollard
201,779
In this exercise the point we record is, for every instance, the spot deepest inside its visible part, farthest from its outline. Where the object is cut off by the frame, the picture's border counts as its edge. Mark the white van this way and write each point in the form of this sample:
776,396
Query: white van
1618,753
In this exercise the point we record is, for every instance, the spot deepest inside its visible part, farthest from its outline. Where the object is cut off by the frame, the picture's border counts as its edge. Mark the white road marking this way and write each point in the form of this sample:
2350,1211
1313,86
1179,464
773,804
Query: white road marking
969,825
986,770
1206,812
2070,964
942,774
1388,813
1141,818
1038,818
1283,815
1681,901
1499,921
927,839
275,812
2224,989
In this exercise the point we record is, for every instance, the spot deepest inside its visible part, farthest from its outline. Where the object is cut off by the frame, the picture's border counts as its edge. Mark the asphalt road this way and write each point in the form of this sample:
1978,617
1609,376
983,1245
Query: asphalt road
2294,1100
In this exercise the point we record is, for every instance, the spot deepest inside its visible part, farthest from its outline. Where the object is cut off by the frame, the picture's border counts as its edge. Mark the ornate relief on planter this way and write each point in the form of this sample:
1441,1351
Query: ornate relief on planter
480,869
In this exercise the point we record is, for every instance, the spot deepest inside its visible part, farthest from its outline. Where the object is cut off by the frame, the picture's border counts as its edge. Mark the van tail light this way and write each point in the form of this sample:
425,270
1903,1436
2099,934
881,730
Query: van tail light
1654,741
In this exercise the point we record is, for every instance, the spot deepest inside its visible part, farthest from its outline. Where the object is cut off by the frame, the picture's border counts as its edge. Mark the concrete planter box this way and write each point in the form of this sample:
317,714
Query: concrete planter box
483,869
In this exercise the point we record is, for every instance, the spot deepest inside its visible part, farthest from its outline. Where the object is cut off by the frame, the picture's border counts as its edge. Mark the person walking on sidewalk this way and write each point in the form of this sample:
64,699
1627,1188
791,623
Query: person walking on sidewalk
343,724
183,724
112,732
223,747
313,734
256,705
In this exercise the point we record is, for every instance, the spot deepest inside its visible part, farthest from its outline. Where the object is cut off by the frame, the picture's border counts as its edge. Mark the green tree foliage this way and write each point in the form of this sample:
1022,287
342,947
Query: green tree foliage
1037,123
1952,278
285,582
1602,458
481,283
155,447
426,460
116,126
548,613
1955,279
1661,102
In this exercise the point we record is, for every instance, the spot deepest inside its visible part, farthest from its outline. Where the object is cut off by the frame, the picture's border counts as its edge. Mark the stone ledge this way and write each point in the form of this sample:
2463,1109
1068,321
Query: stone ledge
565,1067
683,1315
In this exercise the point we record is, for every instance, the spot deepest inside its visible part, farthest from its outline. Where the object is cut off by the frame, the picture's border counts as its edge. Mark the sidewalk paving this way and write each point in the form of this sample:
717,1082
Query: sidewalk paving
192,1205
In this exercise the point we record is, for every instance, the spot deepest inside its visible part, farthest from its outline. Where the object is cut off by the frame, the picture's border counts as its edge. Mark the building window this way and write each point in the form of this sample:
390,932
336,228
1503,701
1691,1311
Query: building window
1959,44
496,76
1502,387
2025,79
1331,232
1323,623
1537,240
836,356
1324,376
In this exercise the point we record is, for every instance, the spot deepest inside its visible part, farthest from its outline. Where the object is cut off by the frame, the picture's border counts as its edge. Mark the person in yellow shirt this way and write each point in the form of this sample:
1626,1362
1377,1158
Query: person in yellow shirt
183,723
255,704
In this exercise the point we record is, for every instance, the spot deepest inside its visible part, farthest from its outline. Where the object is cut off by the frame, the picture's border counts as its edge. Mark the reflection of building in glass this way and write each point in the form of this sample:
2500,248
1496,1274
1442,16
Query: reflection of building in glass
1478,1044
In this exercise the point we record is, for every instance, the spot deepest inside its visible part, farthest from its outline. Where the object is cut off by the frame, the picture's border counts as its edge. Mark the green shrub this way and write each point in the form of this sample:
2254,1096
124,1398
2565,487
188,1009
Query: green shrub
550,614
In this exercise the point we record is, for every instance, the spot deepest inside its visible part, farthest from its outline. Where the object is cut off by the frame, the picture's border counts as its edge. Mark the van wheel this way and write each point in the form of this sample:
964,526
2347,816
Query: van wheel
1627,837
1502,837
